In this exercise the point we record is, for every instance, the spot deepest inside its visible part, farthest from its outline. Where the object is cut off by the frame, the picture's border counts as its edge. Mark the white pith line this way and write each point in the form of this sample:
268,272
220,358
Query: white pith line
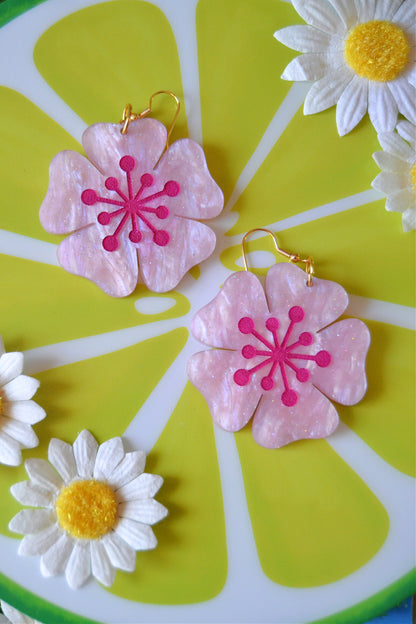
22,74
28,248
181,16
24,77
283,116
147,425
19,246
319,212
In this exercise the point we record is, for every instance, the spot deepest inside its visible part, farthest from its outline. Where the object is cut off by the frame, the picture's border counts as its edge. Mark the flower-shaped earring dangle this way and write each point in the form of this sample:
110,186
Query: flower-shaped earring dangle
278,353
131,208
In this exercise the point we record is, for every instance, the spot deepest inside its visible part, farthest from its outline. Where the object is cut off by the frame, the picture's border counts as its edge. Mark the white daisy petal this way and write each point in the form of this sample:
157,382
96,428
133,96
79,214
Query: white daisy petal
409,219
326,92
336,82
391,142
21,432
11,366
408,132
101,566
406,13
317,13
10,451
78,558
411,76
385,9
347,12
41,542
138,536
26,411
352,105
144,486
62,458
54,560
15,616
42,473
31,494
109,455
306,67
366,10
85,450
121,555
303,39
21,388
382,107
130,467
405,96
390,162
148,511
30,521
388,183
78,568
401,201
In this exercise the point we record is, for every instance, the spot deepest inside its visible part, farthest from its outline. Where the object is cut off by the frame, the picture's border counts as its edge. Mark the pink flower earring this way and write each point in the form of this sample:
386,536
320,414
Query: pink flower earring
130,210
278,353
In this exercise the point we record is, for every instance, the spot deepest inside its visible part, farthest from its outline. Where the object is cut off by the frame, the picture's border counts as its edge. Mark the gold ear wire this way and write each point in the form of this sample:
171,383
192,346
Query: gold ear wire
308,262
129,116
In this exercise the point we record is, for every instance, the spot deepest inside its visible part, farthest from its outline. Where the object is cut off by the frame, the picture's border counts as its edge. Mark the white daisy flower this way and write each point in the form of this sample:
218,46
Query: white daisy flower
17,411
398,177
13,616
95,512
361,55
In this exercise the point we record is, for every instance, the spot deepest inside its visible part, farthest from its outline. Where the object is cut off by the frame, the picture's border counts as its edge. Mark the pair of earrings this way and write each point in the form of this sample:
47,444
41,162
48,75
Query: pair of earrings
277,353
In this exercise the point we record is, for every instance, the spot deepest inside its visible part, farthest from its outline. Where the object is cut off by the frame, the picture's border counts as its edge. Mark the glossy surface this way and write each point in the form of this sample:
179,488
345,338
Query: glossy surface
106,252
286,407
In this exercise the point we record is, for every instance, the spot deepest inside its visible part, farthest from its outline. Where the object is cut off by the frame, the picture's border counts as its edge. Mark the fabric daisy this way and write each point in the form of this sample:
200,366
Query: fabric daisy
398,177
131,206
17,411
279,355
13,616
94,509
360,55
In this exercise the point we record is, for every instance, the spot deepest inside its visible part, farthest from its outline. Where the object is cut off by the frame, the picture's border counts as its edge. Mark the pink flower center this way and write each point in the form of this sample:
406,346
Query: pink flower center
132,206
279,356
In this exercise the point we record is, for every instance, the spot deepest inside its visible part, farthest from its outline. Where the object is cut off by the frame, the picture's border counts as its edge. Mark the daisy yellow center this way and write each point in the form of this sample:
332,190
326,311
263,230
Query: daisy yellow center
86,509
413,176
377,50
1,406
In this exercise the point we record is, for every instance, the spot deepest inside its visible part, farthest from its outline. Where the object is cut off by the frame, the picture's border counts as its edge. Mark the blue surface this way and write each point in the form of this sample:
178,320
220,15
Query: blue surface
399,615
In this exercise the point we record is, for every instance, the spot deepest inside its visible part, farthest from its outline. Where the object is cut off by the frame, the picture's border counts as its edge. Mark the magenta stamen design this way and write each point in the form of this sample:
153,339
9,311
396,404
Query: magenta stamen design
279,356
132,206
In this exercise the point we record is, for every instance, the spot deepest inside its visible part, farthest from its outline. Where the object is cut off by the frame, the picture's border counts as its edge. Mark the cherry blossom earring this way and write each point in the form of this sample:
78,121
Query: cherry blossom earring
278,353
131,208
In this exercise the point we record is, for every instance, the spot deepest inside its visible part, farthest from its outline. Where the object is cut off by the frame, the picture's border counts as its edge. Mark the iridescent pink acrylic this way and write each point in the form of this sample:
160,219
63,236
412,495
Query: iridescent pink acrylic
131,209
279,355
132,206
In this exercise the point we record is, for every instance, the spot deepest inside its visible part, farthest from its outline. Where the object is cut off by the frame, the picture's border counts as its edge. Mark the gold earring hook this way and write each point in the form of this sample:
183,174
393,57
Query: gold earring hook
308,262
129,116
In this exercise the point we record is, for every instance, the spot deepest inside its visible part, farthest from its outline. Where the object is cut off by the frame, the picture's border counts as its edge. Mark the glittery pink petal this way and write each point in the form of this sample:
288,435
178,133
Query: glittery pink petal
199,197
62,210
162,268
216,324
115,272
323,302
344,380
313,416
231,406
105,145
